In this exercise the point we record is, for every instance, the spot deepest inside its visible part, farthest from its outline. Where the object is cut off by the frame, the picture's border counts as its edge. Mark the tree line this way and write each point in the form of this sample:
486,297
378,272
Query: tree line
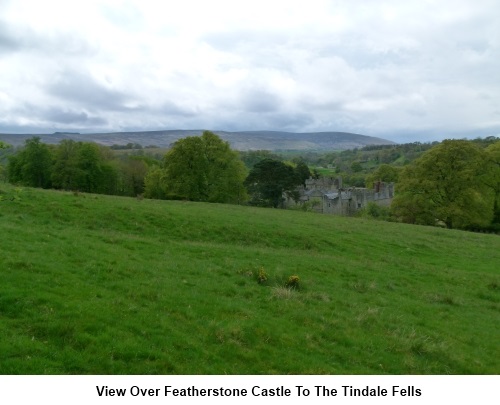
196,168
454,183
77,166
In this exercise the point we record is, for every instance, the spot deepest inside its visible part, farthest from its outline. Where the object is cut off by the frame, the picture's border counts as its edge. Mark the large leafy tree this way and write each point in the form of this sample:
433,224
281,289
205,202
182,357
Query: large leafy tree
3,145
385,173
154,184
66,173
132,171
199,168
32,166
89,162
84,166
97,174
302,172
492,177
252,157
269,180
444,186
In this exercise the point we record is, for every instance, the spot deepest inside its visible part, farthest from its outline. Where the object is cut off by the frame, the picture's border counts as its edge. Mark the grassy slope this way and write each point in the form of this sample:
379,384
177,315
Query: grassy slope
109,285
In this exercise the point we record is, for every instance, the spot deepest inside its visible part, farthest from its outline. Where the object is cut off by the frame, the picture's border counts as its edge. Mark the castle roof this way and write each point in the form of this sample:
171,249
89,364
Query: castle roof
344,195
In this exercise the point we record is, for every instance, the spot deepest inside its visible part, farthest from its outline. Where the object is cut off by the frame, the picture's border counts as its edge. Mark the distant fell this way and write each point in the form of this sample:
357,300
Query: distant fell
239,140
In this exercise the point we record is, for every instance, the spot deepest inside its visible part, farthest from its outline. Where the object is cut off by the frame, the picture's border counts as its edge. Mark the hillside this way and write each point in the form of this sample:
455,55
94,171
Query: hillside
245,140
93,284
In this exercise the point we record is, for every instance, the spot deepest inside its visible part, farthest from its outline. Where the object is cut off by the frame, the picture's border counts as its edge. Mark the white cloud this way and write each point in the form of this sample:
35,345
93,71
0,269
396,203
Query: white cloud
397,69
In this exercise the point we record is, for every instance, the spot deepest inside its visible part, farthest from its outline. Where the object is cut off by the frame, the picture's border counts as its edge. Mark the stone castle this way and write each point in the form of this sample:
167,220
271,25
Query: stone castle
327,196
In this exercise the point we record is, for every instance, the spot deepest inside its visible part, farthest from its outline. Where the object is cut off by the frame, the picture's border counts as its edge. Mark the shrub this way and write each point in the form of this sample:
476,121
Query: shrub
261,276
375,211
292,282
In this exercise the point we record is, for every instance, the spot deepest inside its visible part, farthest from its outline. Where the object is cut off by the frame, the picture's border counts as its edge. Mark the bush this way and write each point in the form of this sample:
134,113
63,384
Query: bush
292,282
261,276
306,206
375,211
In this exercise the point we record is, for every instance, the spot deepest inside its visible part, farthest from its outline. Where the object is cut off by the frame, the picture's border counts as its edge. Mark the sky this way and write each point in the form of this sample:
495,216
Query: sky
406,71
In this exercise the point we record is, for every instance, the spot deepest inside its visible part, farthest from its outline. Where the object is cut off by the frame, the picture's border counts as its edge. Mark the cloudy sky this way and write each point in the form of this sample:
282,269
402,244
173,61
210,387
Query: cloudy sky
403,70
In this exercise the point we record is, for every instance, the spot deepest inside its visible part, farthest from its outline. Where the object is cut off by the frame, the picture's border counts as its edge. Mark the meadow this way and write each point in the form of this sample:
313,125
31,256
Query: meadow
94,284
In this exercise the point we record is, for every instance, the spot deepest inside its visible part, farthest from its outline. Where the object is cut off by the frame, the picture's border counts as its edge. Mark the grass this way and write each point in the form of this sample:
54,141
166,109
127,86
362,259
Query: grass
326,172
111,285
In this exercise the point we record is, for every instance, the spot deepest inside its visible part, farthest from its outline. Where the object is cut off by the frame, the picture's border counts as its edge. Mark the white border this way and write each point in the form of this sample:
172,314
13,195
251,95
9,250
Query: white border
55,390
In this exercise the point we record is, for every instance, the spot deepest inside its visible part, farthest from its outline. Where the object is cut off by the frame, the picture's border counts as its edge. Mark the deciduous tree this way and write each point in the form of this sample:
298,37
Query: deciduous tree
492,177
302,172
132,172
444,186
66,173
268,180
32,166
385,173
200,168
154,184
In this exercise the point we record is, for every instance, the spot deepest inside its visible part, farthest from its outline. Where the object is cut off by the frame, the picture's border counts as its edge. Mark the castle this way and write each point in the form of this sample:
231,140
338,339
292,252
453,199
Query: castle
327,196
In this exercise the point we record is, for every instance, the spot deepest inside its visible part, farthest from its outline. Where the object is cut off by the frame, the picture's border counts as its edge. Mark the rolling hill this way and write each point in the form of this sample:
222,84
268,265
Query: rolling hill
244,140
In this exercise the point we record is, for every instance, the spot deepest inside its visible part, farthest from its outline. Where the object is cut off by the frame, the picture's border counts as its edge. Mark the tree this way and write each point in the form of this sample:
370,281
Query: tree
444,186
492,177
132,171
225,171
154,184
356,166
302,172
89,163
269,180
384,172
107,180
84,166
66,171
251,157
32,166
2,168
200,169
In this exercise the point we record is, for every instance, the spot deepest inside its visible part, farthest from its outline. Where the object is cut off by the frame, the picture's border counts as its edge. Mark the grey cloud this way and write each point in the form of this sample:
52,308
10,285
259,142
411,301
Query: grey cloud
289,121
328,105
171,109
258,49
72,45
84,90
271,121
73,117
416,112
29,116
417,73
10,41
357,53
17,38
260,101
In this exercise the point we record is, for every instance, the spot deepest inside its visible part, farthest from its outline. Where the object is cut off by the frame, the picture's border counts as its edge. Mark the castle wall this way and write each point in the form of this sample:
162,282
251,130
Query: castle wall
327,196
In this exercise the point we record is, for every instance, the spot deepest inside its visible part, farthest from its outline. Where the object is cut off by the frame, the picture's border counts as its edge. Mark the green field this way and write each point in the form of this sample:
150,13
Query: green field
111,285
